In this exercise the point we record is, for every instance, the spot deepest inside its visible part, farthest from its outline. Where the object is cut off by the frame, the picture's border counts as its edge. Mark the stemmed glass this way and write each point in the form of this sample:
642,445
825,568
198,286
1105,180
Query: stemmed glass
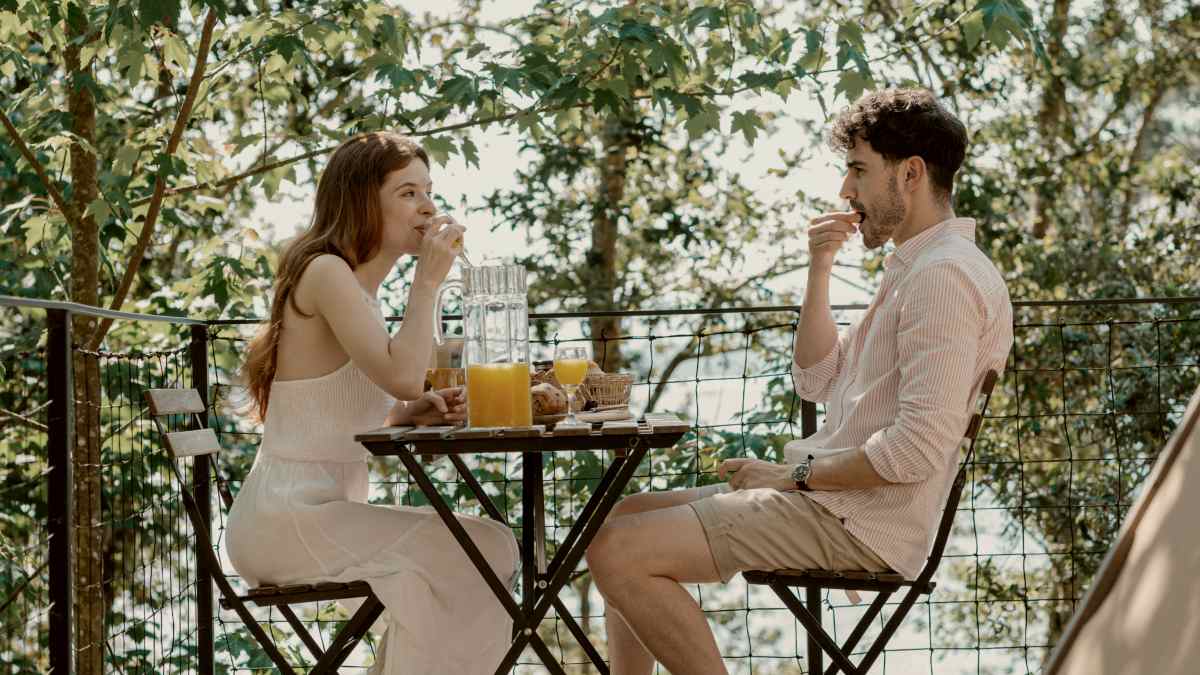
570,367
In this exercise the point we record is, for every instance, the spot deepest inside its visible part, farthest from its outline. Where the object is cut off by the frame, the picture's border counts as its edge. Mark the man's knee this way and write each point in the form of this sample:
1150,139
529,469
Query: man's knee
635,503
609,552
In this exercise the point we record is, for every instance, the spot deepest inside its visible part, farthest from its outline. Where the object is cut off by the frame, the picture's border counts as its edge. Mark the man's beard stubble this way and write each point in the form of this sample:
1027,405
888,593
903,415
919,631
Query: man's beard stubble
882,221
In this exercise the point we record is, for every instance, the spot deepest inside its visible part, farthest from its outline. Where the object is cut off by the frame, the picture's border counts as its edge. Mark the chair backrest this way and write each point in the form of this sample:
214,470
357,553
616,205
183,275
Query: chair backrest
199,440
960,479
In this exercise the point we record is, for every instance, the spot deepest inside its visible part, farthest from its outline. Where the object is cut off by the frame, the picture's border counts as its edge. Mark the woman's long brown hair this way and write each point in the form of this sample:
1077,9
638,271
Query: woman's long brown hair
346,222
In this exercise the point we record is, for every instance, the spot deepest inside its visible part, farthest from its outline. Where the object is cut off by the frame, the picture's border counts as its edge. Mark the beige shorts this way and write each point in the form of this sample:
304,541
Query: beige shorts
765,529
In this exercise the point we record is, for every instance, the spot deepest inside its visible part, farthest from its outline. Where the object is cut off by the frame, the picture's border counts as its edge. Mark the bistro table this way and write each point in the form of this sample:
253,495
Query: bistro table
541,581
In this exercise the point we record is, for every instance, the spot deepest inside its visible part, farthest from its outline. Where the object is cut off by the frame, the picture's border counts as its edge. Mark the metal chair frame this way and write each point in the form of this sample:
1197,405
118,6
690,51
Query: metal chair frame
885,584
200,441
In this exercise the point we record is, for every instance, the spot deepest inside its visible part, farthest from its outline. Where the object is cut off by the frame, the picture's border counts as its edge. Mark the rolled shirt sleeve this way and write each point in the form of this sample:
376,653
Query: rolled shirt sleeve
815,383
940,326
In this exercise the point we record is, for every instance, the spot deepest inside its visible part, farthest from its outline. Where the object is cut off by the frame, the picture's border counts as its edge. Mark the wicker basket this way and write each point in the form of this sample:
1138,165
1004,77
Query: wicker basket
608,389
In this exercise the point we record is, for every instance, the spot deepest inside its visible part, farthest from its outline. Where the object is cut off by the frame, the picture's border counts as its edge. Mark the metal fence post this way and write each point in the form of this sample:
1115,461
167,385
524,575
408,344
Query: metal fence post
201,488
60,490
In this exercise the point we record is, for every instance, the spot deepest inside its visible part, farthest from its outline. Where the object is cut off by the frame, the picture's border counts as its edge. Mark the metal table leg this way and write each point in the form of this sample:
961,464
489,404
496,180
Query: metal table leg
526,634
566,560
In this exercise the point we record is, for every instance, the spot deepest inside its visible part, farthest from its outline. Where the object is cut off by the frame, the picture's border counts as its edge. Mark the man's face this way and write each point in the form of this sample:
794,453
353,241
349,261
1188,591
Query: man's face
872,189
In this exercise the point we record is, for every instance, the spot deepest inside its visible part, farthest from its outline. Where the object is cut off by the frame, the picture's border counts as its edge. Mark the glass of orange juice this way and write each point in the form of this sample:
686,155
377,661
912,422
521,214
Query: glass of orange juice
570,367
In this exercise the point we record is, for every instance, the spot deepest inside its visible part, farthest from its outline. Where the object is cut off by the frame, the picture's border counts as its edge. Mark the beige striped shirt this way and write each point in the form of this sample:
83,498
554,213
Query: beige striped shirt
900,384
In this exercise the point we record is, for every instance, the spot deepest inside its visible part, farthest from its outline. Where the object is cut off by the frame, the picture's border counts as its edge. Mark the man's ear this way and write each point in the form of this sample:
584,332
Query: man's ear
913,172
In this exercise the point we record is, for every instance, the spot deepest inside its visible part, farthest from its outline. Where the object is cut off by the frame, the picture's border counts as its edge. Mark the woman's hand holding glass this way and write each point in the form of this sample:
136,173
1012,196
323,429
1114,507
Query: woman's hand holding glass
442,244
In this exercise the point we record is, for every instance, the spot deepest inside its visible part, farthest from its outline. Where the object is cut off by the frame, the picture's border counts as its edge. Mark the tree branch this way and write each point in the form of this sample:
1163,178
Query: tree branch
181,120
532,110
685,354
37,167
24,584
27,421
1139,145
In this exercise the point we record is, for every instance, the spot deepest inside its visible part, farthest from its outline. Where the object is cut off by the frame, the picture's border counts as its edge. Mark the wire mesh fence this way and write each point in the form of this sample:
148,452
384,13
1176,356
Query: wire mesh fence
1089,395
24,558
129,582
146,541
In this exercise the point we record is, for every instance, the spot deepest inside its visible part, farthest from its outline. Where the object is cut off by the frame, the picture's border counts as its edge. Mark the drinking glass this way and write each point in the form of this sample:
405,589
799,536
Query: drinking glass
570,367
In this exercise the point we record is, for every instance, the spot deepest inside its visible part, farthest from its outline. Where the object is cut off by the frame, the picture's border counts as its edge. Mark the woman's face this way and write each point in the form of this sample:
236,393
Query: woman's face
406,207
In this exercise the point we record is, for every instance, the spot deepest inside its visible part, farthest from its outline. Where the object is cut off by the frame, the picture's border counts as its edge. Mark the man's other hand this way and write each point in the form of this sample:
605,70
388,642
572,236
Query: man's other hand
748,474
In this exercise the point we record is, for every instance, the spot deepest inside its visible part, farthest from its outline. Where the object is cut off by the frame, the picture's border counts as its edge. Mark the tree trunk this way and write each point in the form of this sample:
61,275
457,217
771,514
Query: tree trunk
601,273
1050,117
85,289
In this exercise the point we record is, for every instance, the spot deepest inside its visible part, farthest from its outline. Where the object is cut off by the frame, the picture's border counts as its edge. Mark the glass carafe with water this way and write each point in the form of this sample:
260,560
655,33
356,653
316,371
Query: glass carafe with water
495,343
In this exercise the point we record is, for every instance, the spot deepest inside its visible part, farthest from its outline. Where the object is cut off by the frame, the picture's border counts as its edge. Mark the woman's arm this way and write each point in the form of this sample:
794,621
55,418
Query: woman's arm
397,364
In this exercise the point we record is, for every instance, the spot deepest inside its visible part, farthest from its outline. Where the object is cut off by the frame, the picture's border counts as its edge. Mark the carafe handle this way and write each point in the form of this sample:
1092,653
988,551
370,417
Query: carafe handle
453,284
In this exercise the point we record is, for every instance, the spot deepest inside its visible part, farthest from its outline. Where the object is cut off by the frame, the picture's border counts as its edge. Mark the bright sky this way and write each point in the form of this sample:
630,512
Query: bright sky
499,160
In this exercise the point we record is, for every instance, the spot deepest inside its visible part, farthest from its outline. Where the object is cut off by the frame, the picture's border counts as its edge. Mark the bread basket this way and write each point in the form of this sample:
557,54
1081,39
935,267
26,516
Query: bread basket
608,389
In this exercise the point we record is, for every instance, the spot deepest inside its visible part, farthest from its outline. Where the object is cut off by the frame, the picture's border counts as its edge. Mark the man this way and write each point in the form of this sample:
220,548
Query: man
866,490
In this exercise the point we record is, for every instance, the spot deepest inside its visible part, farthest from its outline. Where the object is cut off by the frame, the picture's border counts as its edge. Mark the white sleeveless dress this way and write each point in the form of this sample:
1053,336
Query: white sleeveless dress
301,517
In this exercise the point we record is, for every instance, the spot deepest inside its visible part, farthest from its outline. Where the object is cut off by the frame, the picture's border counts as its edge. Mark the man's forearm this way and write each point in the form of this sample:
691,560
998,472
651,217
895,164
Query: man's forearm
846,470
817,333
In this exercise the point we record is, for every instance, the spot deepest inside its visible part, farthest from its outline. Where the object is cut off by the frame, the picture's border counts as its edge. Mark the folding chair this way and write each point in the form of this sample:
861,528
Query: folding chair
885,584
198,440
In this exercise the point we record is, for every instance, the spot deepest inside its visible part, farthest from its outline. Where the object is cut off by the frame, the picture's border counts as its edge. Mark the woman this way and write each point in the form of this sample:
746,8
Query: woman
324,369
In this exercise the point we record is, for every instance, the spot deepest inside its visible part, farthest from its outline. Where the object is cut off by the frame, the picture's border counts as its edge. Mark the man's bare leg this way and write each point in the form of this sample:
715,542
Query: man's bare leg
638,562
626,653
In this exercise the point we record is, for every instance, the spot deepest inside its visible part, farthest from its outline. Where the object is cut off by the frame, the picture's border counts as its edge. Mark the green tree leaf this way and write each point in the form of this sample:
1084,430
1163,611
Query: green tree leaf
748,123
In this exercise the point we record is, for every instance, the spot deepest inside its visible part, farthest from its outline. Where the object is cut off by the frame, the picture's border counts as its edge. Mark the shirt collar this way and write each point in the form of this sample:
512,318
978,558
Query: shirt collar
909,250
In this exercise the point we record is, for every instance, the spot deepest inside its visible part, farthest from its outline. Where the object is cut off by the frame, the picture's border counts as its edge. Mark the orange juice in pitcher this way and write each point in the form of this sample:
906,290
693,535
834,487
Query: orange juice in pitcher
498,395
495,354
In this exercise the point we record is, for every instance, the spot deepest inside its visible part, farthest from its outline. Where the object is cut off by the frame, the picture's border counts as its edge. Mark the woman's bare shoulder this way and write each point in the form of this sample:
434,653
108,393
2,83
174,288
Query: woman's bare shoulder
325,275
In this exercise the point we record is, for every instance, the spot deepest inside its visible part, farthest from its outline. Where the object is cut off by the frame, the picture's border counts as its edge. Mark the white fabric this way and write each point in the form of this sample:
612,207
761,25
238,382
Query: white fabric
301,517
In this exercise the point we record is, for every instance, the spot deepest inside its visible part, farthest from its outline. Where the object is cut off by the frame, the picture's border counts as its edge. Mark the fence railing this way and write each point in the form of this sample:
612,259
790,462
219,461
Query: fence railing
1091,391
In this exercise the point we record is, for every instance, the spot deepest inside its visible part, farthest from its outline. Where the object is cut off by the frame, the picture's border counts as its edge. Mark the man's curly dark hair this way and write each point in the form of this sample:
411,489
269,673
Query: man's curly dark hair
903,123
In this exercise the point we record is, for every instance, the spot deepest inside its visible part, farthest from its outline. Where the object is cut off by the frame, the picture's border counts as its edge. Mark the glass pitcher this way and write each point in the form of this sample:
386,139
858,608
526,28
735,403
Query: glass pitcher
495,351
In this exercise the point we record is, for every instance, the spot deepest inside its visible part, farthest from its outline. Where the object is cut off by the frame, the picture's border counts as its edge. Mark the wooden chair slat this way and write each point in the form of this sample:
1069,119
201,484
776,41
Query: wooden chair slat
619,428
193,442
524,432
667,425
174,401
427,433
473,432
564,429
382,434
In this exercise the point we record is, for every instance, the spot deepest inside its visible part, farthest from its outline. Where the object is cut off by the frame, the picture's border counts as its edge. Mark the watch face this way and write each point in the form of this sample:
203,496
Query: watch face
800,473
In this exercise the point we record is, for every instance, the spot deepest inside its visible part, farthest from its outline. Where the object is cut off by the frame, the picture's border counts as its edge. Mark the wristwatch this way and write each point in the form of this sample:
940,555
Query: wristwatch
801,474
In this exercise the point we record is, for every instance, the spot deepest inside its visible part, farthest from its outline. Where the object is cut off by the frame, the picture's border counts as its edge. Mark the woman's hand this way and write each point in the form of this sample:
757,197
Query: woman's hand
442,243
443,406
